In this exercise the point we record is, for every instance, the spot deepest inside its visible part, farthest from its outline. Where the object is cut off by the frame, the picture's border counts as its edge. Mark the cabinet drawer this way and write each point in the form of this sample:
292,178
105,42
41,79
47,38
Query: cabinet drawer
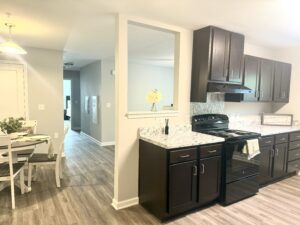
281,138
295,136
294,154
210,150
294,145
266,141
294,166
183,155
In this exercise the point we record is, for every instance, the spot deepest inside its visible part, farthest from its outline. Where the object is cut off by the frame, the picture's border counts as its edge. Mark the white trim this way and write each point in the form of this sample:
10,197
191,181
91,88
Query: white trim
150,114
125,204
102,144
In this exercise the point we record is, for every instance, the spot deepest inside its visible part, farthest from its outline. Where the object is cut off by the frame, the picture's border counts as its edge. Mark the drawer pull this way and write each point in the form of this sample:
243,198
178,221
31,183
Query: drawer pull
276,151
297,165
195,168
298,136
185,156
297,154
282,139
212,151
268,142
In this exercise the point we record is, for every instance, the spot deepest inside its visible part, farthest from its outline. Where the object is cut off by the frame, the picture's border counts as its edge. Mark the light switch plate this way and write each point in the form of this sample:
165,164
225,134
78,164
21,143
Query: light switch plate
41,107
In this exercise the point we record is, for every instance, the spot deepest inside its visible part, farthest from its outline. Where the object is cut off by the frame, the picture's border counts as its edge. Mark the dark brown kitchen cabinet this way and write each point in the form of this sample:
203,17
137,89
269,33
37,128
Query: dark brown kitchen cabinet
280,160
220,54
266,80
217,57
266,160
182,186
273,158
251,77
174,181
282,79
209,179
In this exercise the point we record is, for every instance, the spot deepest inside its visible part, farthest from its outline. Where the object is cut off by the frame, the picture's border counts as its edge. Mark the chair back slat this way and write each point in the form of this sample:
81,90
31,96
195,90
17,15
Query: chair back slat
5,148
30,125
61,147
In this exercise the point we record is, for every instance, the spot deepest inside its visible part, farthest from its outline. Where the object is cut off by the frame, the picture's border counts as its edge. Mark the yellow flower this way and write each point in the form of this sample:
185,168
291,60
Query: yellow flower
153,96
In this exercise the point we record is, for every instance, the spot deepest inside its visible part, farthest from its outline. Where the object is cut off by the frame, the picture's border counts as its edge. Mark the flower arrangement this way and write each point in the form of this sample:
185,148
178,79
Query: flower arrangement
153,97
11,125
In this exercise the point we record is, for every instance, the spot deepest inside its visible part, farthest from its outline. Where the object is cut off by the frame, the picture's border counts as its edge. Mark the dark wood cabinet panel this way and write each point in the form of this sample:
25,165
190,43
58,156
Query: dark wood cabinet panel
282,79
182,186
236,55
266,159
220,55
251,77
280,160
209,179
266,80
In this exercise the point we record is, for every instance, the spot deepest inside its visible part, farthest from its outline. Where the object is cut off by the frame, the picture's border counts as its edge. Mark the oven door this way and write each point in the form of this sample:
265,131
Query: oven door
237,164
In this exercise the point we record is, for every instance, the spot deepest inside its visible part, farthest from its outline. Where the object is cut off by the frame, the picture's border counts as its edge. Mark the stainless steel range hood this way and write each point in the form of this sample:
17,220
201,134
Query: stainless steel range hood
228,88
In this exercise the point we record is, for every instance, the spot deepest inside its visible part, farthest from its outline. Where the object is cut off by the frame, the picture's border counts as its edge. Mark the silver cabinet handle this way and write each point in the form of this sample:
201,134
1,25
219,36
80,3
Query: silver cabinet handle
212,151
272,152
185,156
195,170
277,151
297,136
282,139
202,168
297,154
268,142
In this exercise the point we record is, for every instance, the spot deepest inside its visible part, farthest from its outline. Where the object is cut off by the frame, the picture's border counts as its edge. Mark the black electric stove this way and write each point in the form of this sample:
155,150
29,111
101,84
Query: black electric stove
239,178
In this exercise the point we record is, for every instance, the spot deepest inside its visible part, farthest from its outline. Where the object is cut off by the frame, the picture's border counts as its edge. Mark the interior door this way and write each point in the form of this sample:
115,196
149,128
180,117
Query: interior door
236,58
182,186
280,160
220,55
13,91
251,77
266,80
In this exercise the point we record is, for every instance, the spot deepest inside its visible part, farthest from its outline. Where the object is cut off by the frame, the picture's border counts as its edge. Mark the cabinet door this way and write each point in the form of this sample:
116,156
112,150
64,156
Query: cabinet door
265,168
266,80
209,179
282,81
251,77
182,186
280,160
236,58
220,55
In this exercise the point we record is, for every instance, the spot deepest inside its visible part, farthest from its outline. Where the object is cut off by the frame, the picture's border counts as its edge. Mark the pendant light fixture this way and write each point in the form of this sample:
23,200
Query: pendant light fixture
9,46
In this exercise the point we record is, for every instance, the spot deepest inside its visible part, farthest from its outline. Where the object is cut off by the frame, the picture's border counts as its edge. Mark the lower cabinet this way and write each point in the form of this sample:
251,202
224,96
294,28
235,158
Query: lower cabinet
209,179
174,181
182,186
293,164
273,158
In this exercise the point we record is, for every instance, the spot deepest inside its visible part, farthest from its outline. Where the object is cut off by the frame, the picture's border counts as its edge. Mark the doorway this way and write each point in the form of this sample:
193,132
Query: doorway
67,102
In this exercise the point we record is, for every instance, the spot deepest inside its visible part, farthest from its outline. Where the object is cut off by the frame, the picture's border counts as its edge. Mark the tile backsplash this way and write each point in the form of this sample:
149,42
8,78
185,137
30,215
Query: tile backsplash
215,104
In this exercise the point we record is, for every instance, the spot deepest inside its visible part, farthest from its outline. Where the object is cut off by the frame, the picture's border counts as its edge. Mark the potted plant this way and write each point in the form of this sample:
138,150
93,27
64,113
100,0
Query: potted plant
11,125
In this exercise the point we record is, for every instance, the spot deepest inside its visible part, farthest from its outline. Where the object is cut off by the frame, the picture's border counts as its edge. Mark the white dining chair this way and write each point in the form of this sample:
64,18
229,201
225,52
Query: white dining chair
29,126
8,169
44,159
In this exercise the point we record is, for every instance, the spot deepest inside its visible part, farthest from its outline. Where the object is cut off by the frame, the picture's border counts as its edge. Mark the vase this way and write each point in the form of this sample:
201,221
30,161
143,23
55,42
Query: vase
153,107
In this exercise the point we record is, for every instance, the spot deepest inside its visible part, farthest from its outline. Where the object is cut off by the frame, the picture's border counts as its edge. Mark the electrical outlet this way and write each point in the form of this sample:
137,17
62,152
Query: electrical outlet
56,135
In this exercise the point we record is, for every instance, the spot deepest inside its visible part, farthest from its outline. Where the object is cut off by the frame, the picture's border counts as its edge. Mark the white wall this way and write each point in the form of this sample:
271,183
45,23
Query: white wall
127,145
90,84
107,101
45,86
143,78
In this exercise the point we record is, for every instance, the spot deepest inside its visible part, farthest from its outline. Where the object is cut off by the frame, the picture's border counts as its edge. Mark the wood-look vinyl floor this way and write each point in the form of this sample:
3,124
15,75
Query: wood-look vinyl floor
87,188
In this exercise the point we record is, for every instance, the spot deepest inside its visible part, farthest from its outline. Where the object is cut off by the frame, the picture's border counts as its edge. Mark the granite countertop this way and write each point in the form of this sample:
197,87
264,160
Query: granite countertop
265,130
180,136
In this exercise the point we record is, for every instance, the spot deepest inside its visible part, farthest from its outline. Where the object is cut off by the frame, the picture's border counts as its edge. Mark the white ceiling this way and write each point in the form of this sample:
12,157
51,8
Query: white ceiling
84,29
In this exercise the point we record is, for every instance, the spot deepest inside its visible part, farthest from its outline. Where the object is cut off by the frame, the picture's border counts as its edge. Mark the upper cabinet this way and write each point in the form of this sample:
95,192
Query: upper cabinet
217,57
282,81
269,79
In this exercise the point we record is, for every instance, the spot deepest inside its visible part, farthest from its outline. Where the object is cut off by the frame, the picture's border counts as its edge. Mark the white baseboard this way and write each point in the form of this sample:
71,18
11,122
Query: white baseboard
102,144
125,204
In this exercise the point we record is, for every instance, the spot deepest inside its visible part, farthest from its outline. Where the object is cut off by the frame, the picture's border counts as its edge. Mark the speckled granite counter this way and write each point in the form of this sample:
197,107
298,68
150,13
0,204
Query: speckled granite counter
265,130
180,136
